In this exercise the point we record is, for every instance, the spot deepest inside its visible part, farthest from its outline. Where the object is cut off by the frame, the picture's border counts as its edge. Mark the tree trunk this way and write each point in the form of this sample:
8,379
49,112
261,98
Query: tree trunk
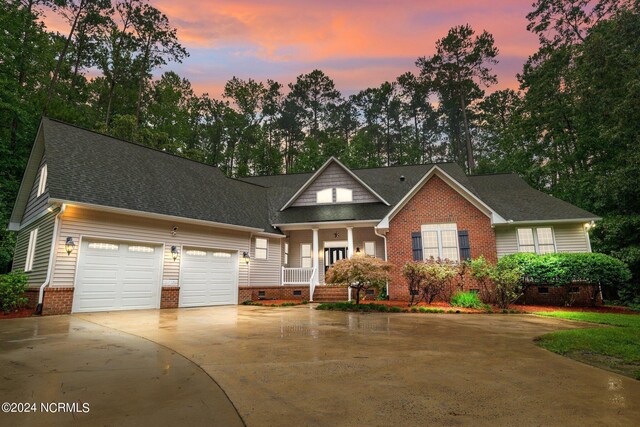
22,75
471,165
54,79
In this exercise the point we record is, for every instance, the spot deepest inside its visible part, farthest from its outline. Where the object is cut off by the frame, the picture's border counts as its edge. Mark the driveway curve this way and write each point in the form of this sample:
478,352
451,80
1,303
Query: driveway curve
299,366
126,380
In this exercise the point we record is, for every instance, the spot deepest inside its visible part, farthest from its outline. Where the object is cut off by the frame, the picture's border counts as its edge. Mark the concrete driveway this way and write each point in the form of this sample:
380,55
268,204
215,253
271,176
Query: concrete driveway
299,366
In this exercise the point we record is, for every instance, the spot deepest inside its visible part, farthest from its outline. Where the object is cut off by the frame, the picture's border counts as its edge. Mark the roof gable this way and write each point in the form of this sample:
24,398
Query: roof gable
333,174
28,181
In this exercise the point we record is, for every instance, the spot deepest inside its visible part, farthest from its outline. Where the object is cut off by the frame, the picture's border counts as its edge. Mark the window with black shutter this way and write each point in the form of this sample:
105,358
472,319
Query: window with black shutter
416,245
465,245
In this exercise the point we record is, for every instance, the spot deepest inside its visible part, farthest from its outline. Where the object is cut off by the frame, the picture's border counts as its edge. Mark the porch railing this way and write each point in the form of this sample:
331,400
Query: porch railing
301,276
296,276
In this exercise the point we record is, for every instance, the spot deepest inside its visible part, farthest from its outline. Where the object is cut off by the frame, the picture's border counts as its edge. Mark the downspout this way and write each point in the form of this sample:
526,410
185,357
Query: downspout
52,252
384,237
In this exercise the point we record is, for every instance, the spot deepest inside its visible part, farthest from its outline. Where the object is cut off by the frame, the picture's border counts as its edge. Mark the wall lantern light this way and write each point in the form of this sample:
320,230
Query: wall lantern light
69,245
174,252
246,257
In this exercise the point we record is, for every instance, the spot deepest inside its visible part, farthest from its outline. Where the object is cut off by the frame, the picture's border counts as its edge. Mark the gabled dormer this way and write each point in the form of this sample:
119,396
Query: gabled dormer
333,183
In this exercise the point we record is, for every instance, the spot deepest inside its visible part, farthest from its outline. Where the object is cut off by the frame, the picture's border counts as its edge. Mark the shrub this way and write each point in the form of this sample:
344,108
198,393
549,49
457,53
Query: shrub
566,269
507,279
12,288
466,300
360,273
481,271
428,279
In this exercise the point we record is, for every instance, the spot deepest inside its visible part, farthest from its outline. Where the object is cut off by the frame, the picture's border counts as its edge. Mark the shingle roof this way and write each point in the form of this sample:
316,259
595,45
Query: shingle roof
89,167
515,200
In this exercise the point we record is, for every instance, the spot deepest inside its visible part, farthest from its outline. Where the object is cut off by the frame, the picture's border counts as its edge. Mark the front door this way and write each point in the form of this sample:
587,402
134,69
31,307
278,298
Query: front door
331,255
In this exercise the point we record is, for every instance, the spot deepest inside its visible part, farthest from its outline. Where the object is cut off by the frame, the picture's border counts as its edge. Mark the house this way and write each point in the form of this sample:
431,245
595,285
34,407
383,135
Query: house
105,224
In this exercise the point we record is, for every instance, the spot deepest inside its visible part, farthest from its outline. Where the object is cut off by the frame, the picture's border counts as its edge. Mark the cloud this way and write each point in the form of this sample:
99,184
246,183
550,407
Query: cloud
359,43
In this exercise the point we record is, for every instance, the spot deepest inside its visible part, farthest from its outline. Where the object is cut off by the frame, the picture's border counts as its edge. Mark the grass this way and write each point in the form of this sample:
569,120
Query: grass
467,300
616,348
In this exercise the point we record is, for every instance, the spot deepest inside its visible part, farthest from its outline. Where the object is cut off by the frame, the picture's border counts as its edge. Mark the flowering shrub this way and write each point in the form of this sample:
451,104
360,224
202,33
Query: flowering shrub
360,273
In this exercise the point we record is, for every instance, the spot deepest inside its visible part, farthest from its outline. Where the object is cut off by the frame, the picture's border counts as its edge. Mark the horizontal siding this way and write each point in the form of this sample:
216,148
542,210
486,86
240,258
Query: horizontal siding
568,237
571,238
506,241
335,176
77,222
266,272
360,235
45,226
35,204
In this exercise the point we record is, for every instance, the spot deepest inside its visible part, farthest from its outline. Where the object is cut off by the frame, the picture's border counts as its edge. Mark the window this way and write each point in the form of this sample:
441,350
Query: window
103,246
440,241
42,184
31,250
344,195
146,249
286,253
194,252
543,289
536,240
305,255
545,240
370,248
325,196
261,248
221,255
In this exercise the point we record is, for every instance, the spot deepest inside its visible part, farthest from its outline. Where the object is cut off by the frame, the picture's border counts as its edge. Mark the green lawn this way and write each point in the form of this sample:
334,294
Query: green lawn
616,347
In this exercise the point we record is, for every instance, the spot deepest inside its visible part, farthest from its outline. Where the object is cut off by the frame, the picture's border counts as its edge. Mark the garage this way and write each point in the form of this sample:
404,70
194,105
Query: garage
116,275
208,277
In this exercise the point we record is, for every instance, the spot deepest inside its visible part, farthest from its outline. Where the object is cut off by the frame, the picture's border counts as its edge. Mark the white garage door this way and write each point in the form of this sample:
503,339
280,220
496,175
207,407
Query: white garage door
208,277
115,275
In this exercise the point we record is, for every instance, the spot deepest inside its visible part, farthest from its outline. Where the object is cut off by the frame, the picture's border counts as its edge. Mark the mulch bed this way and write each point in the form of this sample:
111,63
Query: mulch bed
604,309
24,312
278,302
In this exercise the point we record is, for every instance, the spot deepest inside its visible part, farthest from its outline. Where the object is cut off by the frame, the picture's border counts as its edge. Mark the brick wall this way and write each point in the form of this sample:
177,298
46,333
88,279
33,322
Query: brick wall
252,293
558,296
32,296
169,297
436,202
57,301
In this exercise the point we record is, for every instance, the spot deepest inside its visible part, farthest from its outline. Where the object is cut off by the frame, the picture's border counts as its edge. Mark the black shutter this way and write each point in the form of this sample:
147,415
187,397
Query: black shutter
465,245
416,245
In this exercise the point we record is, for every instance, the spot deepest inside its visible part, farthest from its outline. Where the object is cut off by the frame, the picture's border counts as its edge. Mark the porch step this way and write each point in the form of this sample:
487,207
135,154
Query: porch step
331,294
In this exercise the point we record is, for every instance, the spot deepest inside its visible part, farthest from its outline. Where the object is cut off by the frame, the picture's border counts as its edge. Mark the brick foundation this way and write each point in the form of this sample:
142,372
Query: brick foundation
252,293
32,295
436,202
558,296
170,297
57,301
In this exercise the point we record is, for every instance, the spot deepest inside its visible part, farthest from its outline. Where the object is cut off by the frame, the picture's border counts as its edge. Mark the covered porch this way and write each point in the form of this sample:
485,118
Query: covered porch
310,250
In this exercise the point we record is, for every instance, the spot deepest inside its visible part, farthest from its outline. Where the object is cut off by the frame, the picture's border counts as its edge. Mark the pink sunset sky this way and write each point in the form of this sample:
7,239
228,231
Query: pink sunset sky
358,43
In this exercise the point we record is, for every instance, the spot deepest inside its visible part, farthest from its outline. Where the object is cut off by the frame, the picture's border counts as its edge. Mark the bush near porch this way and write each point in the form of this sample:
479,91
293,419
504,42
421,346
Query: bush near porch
12,291
360,273
570,270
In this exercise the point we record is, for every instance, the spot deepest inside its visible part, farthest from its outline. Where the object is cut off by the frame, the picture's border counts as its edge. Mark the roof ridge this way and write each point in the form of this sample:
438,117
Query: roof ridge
132,143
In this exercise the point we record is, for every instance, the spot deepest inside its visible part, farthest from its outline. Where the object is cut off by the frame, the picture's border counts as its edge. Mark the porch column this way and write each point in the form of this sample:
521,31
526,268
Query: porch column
349,242
314,255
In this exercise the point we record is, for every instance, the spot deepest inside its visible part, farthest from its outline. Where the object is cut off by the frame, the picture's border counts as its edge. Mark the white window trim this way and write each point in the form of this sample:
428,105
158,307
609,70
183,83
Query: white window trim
286,253
266,248
364,248
534,231
31,250
344,191
439,228
323,193
302,257
42,183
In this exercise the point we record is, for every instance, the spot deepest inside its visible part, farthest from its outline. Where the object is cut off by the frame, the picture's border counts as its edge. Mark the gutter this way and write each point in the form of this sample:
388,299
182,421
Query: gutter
384,237
51,255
